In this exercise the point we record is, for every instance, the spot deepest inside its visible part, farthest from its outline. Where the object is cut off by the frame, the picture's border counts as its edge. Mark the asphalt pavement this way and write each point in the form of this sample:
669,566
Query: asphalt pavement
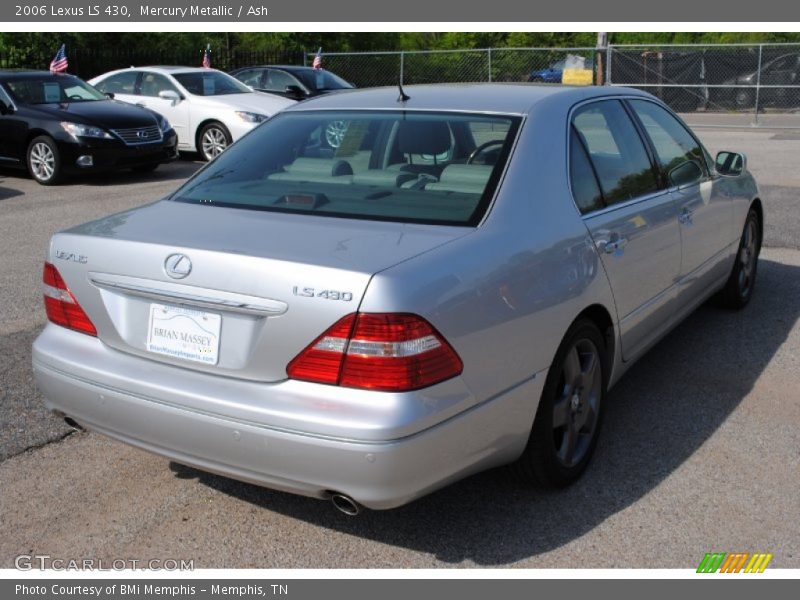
700,450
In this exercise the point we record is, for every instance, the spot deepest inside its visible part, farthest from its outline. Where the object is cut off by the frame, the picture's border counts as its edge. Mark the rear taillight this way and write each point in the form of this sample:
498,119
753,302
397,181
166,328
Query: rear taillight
61,306
377,351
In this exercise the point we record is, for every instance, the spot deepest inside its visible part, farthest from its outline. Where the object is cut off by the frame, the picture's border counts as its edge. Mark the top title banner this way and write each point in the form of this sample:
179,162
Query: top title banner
370,11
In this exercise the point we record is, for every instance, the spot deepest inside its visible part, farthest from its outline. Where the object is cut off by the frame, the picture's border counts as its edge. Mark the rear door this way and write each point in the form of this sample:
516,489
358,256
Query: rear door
705,215
631,217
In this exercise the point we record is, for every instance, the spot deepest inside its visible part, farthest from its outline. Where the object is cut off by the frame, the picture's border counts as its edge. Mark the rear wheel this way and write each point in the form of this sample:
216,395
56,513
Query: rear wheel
212,140
567,423
739,288
44,162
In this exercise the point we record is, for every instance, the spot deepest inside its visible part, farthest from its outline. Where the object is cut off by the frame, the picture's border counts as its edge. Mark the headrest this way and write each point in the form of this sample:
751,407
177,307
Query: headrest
423,137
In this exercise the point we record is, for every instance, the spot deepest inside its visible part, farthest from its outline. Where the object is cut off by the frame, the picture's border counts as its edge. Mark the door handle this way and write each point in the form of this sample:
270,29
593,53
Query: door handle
614,245
685,218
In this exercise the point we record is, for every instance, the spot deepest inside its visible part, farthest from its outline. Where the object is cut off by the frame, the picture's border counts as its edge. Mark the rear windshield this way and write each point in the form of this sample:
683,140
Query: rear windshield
389,165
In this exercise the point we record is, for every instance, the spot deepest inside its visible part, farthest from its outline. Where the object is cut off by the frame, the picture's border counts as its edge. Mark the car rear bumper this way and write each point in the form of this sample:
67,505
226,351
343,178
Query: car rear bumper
379,474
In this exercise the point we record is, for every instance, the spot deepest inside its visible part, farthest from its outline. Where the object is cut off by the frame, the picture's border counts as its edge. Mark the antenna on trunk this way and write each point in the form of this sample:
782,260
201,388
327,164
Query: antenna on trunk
403,96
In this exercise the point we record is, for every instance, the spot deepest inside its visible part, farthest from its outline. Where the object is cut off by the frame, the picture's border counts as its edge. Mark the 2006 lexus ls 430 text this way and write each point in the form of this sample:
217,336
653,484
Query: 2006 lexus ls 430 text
451,286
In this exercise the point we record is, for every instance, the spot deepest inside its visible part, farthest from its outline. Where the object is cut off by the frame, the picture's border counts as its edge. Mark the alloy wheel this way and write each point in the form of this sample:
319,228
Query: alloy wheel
576,409
43,161
214,142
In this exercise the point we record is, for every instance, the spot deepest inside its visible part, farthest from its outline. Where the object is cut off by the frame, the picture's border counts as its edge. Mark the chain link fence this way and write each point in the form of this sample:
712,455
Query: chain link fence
368,69
756,84
732,84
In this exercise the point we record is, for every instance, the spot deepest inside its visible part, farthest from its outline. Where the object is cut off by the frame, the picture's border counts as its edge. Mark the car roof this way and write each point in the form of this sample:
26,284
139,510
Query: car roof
506,98
284,67
12,74
165,69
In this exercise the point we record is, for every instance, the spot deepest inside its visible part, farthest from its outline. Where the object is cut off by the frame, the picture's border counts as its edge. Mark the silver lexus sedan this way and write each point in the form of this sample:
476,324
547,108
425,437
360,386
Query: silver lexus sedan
454,285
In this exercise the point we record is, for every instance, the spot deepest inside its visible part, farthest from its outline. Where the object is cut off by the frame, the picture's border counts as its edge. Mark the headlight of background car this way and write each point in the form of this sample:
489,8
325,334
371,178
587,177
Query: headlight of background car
250,117
163,124
77,130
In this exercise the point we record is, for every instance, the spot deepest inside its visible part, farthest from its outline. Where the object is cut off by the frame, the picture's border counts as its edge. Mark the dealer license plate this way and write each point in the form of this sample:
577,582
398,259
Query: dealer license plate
184,333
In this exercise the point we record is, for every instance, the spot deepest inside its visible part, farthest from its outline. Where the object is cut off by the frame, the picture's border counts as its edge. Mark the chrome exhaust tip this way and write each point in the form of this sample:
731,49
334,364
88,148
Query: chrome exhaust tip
345,504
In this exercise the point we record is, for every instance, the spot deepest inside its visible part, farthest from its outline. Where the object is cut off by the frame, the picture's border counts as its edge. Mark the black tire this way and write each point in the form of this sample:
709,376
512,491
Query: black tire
544,464
740,285
44,161
212,140
745,99
146,168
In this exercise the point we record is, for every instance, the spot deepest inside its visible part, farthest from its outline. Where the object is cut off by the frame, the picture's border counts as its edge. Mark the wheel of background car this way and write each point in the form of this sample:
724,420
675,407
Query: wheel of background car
212,140
745,98
334,133
569,415
482,148
739,288
44,162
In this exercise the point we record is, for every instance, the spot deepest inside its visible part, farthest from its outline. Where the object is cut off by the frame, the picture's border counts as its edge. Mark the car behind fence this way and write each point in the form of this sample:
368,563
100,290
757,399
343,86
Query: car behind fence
744,84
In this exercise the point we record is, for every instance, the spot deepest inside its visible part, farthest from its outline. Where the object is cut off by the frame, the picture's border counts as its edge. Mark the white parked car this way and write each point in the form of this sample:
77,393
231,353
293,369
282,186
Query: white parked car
207,108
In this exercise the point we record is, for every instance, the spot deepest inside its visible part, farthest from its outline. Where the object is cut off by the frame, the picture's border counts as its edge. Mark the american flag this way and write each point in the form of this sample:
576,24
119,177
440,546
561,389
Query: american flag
207,57
59,62
317,64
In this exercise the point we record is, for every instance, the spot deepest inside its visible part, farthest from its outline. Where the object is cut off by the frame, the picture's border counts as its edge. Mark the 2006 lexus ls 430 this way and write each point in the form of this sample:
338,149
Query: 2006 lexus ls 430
451,284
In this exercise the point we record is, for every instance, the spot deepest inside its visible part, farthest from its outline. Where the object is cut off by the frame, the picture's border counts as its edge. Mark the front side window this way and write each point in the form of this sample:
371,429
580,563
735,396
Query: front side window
372,169
251,77
679,154
278,81
616,151
211,83
153,84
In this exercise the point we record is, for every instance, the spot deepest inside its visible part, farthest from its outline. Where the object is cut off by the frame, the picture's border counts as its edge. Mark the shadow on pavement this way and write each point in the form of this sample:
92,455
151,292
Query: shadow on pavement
657,417
6,193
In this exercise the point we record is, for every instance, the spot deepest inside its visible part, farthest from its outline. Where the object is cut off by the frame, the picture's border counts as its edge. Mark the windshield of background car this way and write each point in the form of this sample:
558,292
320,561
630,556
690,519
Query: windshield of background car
211,83
56,89
411,167
320,79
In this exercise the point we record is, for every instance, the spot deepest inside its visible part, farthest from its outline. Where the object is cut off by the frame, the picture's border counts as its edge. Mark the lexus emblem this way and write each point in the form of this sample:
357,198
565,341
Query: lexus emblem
177,266
142,134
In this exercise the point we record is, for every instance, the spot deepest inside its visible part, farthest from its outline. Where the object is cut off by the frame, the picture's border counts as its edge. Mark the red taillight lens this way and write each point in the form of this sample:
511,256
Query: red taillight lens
61,306
376,351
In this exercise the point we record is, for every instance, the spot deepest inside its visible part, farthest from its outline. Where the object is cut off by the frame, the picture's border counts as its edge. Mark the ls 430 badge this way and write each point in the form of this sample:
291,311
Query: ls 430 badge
309,292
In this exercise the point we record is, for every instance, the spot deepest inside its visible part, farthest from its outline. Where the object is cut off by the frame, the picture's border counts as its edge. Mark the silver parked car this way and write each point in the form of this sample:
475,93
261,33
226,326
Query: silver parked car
453,286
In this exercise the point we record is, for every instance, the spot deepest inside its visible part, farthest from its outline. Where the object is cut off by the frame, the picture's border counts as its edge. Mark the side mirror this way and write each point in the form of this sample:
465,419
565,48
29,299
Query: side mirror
170,95
295,91
109,95
687,173
730,164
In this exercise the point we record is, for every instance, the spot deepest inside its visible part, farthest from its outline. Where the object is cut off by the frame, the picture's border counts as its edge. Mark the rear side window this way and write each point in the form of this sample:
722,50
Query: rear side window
585,188
381,165
673,144
121,83
616,150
